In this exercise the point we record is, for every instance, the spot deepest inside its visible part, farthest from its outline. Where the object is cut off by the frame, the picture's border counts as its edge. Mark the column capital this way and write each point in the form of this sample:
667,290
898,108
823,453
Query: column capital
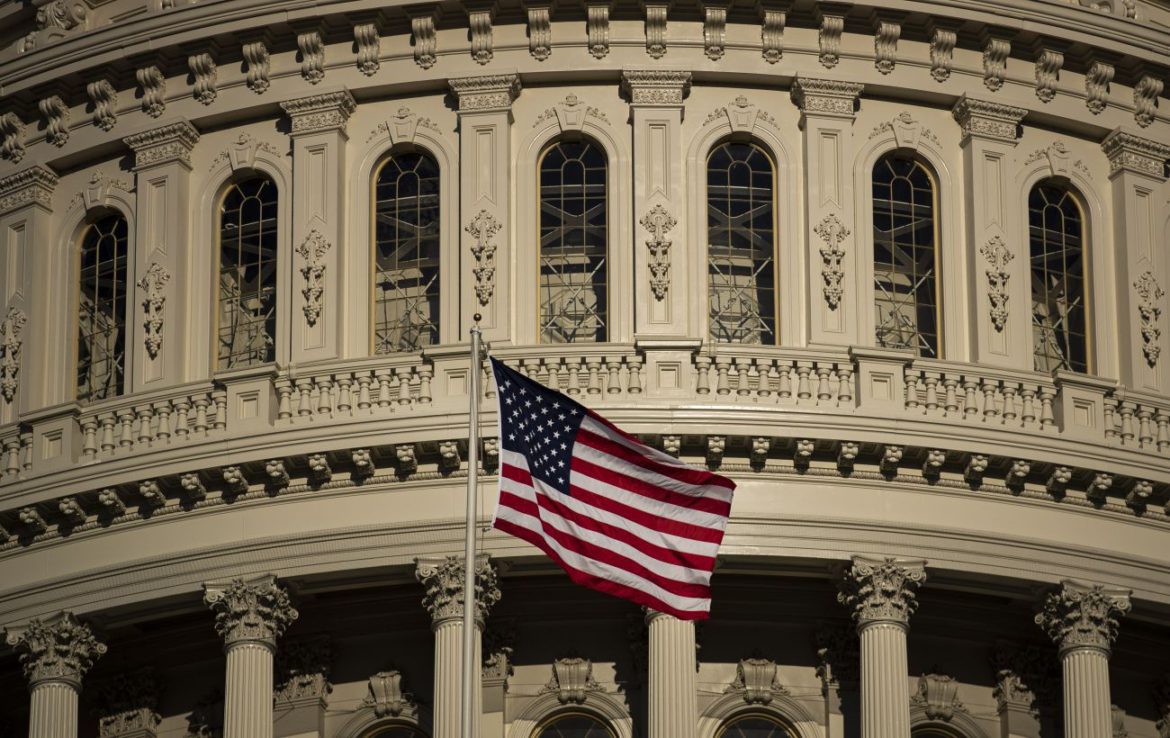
656,87
1083,616
168,143
827,98
443,579
59,648
489,93
987,120
882,590
127,704
30,186
1130,153
256,610
324,111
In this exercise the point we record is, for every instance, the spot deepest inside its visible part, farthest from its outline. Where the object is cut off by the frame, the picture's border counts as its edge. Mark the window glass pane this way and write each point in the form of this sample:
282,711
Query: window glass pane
247,274
755,726
741,245
1057,256
101,334
904,231
406,254
573,244
397,731
575,726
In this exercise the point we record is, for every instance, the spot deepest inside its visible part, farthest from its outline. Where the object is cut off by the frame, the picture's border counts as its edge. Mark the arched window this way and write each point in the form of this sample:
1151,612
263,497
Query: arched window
574,236
755,726
401,730
574,725
1057,256
246,315
406,253
101,327
934,731
905,233
741,244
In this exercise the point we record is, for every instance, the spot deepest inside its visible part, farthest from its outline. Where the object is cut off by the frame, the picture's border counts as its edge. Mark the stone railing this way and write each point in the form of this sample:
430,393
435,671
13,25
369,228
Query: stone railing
605,370
134,424
763,375
340,390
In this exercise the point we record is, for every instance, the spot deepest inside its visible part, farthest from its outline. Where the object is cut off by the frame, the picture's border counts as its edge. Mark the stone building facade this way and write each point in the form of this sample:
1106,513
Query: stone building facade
898,269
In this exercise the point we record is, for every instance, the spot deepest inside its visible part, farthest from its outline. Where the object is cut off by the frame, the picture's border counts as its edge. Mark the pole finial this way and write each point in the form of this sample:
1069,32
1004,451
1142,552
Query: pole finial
477,317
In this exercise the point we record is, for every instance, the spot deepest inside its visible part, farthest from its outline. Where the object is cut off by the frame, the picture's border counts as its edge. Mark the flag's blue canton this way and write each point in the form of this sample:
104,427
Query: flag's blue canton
539,423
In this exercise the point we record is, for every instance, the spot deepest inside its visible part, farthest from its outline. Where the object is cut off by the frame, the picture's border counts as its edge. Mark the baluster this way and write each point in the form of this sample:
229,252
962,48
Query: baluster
1047,394
182,417
703,365
743,367
403,375
425,372
1127,433
970,397
951,397
911,379
1145,427
126,434
635,375
1009,413
554,374
845,386
26,448
363,379
823,392
12,464
1163,421
931,381
162,412
324,395
614,385
89,429
990,400
574,364
593,365
106,423
528,367
763,370
145,425
284,399
1028,414
219,399
803,390
488,381
1110,408
201,403
303,388
344,393
384,378
785,385
721,382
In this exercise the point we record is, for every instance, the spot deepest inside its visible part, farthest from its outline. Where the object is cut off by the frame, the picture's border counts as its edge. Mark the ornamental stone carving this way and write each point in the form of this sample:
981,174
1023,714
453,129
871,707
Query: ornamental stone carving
57,649
825,97
327,111
833,232
169,143
12,135
104,99
539,32
656,87
250,611
127,705
31,186
153,304
302,670
11,340
572,680
242,153
1149,310
658,222
312,51
56,114
479,21
938,696
387,696
597,29
154,89
838,654
368,43
483,228
402,127
885,45
714,30
1023,676
942,53
772,34
1097,81
1048,65
1130,153
203,70
656,30
882,590
906,131
1145,99
570,114
312,252
997,255
829,39
995,56
443,580
258,64
988,120
489,93
1083,616
499,640
756,680
422,27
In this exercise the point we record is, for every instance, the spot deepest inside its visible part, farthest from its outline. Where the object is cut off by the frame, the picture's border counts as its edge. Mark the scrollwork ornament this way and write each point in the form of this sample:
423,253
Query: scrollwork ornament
833,232
597,29
483,228
11,330
367,40
250,611
152,283
878,590
312,251
443,580
656,31
772,34
105,100
942,53
996,252
1149,295
57,649
658,222
1083,616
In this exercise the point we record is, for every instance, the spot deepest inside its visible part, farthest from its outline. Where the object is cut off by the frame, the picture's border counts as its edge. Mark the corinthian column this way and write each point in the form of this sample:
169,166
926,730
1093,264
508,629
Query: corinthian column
443,579
673,710
249,615
882,595
1082,620
55,654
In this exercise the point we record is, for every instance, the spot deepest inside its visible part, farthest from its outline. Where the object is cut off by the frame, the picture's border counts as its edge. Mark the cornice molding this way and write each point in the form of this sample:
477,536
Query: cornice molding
169,143
31,186
826,98
656,87
325,111
1134,154
987,120
489,93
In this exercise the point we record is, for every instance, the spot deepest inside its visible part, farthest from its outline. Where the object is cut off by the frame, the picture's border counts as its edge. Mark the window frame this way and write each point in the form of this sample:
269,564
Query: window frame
549,720
75,243
779,720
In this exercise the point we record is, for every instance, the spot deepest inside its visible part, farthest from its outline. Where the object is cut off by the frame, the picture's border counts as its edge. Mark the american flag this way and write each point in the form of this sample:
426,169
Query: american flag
618,516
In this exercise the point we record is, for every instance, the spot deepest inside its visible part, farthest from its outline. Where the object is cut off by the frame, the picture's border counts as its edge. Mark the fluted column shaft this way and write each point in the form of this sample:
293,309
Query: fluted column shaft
449,678
247,701
1087,703
53,711
673,707
885,690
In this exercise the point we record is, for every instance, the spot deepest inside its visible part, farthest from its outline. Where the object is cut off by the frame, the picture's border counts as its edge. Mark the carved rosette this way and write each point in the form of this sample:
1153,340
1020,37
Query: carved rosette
57,649
312,252
152,283
996,253
658,222
1082,616
254,611
483,228
443,580
833,232
302,670
882,590
11,330
1149,295
127,705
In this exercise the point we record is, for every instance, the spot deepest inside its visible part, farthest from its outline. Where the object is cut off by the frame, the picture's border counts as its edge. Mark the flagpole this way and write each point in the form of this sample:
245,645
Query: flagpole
469,665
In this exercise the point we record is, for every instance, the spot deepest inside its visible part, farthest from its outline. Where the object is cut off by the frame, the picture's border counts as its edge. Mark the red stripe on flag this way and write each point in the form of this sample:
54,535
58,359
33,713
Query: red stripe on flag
678,469
650,491
689,477
669,526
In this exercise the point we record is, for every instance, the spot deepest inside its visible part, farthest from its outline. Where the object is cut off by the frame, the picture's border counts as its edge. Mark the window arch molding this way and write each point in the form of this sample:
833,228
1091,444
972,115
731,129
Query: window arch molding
950,269
620,282
547,707
792,294
204,255
960,724
61,315
1103,349
376,151
783,708
364,722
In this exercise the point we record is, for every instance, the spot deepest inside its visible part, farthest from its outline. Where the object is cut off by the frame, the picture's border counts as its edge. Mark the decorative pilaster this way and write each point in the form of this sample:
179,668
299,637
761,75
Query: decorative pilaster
656,108
673,711
1137,170
882,594
319,139
443,580
249,615
162,170
55,654
1001,337
485,151
127,705
826,117
1083,621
